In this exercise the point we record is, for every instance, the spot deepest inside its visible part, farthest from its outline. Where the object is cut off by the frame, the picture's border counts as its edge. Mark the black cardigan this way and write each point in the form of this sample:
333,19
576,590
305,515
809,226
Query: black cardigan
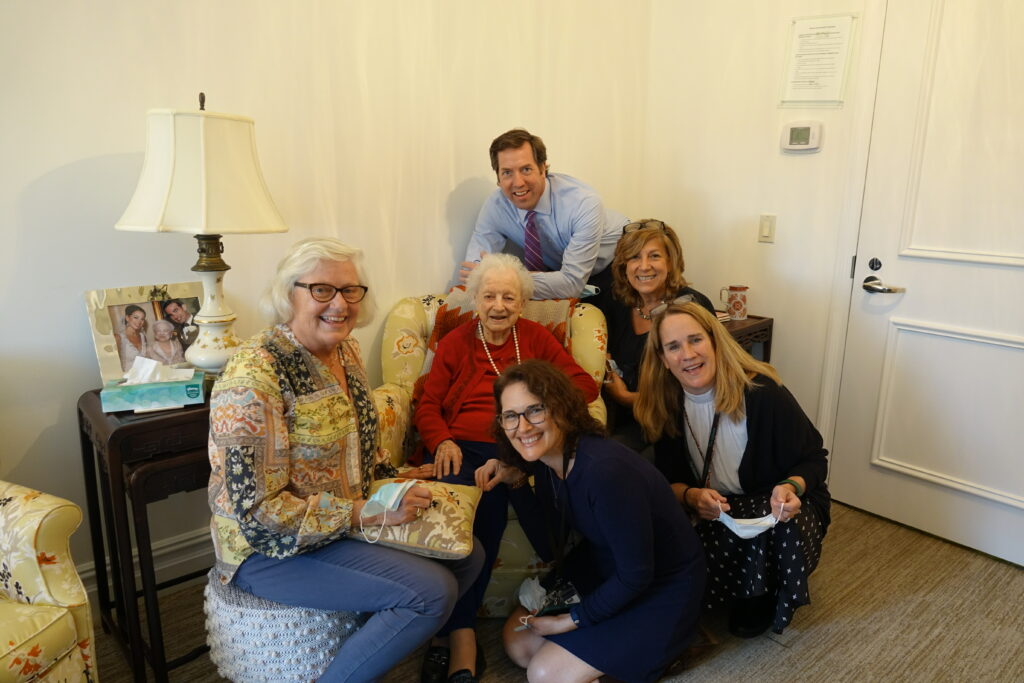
781,442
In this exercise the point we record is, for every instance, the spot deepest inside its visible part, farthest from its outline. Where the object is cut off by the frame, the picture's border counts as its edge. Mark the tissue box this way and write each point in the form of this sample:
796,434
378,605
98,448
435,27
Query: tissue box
152,396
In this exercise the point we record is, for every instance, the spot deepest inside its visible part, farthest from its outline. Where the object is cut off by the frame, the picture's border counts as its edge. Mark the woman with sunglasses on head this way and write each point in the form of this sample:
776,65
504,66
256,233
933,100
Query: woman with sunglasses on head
743,458
647,273
294,447
639,569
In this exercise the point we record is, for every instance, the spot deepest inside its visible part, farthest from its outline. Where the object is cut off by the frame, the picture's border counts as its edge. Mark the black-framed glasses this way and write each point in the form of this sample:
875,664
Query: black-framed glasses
535,415
641,225
663,306
323,292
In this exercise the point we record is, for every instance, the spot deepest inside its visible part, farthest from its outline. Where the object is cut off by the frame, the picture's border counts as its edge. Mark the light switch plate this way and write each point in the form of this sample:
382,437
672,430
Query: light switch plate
766,228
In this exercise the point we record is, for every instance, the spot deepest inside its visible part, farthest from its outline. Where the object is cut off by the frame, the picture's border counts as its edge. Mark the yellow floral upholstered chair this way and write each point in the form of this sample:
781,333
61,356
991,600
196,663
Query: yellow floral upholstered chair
45,623
411,332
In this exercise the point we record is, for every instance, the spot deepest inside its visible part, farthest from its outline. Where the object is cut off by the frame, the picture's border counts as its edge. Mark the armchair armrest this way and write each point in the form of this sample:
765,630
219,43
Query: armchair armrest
394,412
588,334
35,560
404,342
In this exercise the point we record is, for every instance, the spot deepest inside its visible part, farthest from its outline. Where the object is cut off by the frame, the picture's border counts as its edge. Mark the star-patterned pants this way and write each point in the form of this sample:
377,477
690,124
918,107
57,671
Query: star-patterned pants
775,562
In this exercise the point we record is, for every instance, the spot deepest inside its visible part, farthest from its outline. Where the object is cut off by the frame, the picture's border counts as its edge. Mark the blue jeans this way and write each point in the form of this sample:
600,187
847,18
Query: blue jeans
410,597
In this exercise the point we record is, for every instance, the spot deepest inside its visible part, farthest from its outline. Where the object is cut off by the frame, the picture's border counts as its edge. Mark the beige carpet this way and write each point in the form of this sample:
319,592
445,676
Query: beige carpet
889,604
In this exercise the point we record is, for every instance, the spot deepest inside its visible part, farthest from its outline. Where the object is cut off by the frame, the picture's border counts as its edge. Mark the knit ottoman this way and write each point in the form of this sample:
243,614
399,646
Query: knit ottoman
252,639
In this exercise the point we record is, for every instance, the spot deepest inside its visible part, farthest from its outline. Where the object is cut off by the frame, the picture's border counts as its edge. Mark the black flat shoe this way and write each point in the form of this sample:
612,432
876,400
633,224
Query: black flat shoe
463,676
435,665
750,617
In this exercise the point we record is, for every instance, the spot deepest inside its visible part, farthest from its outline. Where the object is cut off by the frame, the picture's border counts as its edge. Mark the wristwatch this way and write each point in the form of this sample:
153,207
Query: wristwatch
574,615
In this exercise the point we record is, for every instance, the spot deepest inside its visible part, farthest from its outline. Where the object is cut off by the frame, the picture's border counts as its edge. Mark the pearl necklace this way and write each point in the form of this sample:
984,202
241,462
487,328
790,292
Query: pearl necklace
515,340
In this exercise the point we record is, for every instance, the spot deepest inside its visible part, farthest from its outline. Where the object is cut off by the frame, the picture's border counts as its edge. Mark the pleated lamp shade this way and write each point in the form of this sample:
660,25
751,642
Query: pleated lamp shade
201,176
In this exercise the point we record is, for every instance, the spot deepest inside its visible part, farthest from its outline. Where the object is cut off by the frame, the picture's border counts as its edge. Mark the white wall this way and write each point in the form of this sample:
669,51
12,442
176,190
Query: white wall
372,121
714,124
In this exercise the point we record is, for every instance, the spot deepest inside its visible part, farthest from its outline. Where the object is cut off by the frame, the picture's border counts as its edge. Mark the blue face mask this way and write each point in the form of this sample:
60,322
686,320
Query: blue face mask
387,498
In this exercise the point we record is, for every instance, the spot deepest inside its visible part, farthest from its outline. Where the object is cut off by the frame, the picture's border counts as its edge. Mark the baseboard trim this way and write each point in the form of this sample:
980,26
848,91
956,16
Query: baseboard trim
172,557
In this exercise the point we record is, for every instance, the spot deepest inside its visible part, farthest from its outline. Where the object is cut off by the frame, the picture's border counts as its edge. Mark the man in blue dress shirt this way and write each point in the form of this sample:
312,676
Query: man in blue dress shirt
574,236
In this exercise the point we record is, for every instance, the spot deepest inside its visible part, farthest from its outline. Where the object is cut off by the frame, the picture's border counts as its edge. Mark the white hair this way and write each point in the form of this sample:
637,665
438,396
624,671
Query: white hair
500,261
163,322
303,257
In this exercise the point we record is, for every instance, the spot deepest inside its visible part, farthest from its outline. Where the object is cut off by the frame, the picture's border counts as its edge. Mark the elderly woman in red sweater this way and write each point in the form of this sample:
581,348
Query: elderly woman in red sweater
455,418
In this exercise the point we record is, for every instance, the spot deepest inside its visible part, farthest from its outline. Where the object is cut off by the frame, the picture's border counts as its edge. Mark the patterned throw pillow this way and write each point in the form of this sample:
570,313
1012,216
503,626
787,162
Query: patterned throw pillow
444,531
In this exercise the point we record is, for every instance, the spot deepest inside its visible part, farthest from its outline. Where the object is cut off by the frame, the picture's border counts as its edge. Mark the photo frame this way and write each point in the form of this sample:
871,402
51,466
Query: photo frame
137,321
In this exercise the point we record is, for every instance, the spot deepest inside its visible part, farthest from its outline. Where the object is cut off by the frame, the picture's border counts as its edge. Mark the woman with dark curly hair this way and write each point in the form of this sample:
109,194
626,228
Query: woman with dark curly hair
639,568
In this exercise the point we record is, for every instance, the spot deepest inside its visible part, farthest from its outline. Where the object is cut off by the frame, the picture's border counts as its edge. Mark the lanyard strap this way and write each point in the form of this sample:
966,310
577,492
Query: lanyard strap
707,455
559,540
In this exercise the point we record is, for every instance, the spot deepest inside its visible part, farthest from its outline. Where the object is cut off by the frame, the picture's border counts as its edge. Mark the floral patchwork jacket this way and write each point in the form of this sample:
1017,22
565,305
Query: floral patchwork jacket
289,450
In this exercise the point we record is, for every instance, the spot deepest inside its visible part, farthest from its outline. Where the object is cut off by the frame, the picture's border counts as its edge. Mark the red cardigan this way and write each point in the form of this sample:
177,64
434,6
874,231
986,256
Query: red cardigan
458,398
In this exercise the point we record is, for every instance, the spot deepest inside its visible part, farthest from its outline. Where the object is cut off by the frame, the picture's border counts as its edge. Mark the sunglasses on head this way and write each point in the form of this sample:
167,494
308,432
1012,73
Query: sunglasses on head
663,306
643,225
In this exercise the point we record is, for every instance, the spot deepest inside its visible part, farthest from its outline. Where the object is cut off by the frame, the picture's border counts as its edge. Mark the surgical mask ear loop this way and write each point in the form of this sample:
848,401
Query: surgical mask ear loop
782,508
380,531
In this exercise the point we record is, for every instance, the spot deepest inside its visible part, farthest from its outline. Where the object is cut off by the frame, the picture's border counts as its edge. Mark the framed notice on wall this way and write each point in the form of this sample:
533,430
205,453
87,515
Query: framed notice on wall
817,61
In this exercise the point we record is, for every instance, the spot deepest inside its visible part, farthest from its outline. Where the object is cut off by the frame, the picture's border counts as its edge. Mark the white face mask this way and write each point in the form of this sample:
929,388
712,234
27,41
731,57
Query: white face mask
748,528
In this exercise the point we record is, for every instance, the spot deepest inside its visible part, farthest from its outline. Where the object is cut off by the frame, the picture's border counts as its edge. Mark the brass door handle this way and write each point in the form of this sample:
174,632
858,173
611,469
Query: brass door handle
872,285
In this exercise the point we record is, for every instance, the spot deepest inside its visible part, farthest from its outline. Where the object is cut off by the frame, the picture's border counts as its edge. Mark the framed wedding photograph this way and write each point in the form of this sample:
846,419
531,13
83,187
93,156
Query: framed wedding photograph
153,321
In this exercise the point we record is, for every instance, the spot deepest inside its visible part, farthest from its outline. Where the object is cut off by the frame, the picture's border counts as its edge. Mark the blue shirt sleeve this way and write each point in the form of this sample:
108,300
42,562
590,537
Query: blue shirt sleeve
496,223
580,226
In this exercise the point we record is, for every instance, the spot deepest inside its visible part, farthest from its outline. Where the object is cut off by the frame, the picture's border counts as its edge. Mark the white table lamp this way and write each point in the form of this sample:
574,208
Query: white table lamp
201,176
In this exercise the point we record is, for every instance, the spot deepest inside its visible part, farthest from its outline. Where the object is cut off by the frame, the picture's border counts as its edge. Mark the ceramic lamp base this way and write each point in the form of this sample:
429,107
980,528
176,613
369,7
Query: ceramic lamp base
216,340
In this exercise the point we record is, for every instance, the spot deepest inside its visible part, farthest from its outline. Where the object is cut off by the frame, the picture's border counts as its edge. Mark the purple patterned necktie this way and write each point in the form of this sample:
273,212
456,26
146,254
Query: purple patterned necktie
531,244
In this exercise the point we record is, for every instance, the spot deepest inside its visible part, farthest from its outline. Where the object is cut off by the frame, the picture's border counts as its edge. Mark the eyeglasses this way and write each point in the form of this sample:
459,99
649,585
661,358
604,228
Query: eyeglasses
663,306
641,225
535,415
323,292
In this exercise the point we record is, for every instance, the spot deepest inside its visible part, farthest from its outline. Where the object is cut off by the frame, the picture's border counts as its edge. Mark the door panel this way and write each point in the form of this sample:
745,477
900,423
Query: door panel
929,431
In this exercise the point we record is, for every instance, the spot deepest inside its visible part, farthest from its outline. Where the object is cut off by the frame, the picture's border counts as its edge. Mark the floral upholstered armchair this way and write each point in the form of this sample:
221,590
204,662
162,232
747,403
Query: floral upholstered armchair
45,623
411,332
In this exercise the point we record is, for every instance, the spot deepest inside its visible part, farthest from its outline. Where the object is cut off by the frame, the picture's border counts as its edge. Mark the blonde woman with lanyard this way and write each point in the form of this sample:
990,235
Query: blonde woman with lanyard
743,457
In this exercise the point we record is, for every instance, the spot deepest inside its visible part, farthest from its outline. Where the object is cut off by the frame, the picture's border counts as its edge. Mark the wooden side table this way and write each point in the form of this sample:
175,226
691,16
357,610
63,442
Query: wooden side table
754,330
137,460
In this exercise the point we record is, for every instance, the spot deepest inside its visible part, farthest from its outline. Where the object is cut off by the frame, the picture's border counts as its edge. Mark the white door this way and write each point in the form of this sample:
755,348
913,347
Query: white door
930,427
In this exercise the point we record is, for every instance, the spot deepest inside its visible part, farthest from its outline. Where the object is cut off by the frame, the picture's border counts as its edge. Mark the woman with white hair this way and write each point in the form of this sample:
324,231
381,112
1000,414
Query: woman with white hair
294,448
455,418
165,348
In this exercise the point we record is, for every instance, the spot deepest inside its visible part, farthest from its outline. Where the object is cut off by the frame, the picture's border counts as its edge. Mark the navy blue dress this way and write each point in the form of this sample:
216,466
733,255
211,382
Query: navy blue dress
641,570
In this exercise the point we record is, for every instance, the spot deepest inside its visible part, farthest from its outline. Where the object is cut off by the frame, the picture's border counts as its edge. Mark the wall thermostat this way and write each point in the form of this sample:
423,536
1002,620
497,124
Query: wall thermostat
801,136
